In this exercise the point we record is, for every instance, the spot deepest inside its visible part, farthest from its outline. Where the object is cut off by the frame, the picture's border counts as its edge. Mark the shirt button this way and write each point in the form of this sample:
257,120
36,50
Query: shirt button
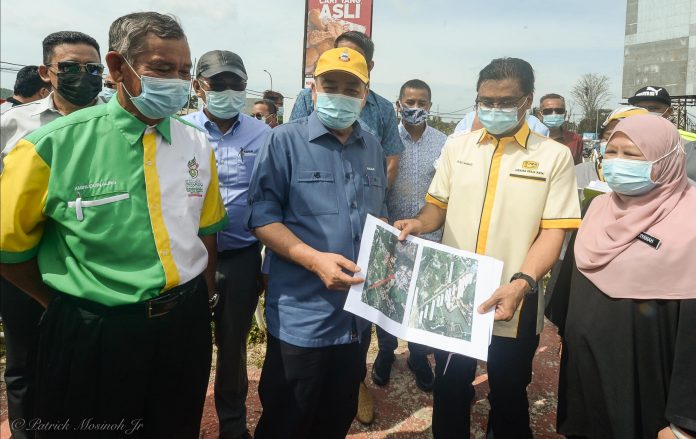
149,162
165,252
317,175
357,238
354,205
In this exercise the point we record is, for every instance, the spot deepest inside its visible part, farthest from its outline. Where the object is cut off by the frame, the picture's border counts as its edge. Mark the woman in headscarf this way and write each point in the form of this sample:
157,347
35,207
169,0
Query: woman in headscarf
628,368
591,170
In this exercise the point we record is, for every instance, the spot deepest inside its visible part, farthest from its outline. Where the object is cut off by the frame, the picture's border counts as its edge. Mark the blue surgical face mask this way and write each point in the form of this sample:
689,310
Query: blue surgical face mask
498,120
628,177
280,112
631,177
337,111
106,94
159,97
603,147
225,104
413,116
554,120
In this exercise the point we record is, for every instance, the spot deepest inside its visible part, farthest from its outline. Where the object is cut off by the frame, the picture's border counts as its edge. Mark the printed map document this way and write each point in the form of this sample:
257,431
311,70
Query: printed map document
425,292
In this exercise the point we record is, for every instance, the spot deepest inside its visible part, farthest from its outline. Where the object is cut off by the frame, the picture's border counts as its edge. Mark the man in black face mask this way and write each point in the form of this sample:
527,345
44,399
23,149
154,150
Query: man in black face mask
72,66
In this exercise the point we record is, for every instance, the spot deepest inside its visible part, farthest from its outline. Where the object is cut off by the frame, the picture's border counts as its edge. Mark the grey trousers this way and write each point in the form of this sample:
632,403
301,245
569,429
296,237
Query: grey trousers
237,283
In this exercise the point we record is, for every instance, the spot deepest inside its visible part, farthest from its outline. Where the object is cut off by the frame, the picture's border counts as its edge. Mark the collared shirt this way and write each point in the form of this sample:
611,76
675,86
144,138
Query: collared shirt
9,103
235,154
322,191
574,142
111,208
464,125
498,194
21,120
406,197
377,117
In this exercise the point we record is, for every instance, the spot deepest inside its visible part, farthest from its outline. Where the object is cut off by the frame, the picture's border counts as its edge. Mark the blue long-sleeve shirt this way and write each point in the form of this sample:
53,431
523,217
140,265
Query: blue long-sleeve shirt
235,154
322,191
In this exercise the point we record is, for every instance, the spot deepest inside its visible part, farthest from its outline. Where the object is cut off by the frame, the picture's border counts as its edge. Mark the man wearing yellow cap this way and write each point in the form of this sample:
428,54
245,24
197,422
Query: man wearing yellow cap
315,181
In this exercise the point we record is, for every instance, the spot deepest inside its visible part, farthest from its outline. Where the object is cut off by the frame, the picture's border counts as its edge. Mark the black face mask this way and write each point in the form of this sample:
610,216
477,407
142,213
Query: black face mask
79,88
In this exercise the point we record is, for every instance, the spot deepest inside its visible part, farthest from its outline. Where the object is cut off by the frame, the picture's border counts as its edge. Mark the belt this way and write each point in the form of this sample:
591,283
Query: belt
156,307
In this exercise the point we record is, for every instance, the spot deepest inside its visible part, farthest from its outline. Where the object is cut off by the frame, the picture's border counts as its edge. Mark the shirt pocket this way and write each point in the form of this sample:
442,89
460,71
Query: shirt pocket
316,193
373,193
85,209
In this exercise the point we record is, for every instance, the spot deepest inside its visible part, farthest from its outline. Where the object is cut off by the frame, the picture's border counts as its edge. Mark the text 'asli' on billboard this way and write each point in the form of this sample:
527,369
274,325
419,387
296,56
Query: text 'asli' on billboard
327,19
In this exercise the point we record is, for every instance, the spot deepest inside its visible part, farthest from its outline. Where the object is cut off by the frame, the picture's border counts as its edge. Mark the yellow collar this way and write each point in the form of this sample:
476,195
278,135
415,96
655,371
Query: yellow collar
521,136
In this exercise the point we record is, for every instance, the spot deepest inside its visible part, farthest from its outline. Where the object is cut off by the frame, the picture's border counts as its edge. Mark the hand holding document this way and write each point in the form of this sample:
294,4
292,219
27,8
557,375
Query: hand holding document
425,292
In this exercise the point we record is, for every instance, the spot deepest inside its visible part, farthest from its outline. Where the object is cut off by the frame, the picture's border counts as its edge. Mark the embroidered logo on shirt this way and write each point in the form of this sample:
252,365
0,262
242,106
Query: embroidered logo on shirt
528,164
194,186
193,168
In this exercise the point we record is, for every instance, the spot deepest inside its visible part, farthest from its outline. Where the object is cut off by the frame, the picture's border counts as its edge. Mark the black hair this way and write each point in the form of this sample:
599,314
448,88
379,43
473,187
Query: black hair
359,39
418,85
509,68
65,37
272,107
274,96
28,82
552,96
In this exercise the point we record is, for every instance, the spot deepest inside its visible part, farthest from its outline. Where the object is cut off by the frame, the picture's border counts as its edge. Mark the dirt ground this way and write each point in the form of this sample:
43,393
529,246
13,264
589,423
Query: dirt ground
402,410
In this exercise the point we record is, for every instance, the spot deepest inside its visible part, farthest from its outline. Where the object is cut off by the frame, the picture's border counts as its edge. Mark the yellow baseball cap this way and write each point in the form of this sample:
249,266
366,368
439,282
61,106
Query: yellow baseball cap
343,59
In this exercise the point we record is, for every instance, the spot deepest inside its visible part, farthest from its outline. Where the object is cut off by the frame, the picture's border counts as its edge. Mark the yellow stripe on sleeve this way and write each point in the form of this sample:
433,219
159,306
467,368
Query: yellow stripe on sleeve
432,200
563,223
213,211
154,203
23,191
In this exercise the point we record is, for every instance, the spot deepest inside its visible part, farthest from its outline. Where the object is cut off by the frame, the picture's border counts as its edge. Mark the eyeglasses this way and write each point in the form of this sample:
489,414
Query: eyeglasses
488,104
92,68
550,111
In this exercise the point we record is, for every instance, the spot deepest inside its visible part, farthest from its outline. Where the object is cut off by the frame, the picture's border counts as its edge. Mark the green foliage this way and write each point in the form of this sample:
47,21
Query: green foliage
588,124
439,124
256,335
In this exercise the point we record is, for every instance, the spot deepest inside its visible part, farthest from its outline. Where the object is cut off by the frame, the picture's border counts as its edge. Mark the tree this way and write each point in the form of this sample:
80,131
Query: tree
439,124
590,93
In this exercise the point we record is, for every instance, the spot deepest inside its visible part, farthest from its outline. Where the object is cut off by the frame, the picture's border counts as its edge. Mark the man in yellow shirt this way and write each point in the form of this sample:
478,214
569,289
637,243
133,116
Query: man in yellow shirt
505,192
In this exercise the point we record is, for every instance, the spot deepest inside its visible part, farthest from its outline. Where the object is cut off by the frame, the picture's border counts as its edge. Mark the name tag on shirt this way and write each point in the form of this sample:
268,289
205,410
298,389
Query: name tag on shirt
650,240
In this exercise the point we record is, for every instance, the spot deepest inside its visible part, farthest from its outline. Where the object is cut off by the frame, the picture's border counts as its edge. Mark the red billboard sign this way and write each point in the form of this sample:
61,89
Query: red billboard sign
327,19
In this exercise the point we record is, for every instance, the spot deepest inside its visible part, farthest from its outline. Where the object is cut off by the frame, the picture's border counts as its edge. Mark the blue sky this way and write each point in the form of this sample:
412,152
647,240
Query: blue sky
443,42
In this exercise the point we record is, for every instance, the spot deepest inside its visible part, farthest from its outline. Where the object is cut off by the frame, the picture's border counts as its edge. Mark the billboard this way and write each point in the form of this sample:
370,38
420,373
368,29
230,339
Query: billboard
327,19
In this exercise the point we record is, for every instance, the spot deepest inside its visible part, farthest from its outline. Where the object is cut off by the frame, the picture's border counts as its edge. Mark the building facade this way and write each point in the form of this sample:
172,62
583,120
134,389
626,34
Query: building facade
660,46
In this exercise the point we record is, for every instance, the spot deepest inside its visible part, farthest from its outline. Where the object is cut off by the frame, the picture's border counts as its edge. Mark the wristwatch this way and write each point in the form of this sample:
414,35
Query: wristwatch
527,278
213,301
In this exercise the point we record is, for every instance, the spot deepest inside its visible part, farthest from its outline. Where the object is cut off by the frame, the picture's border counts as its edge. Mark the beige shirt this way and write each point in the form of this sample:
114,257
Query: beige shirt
498,195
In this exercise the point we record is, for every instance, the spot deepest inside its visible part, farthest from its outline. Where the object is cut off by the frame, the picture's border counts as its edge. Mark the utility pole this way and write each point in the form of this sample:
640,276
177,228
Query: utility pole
269,75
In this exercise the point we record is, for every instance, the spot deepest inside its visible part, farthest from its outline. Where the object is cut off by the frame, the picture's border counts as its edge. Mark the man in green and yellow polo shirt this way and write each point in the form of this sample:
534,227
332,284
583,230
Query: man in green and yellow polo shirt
509,193
108,220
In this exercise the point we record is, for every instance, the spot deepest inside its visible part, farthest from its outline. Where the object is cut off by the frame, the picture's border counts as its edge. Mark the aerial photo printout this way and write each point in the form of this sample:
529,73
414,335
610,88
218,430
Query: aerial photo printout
423,291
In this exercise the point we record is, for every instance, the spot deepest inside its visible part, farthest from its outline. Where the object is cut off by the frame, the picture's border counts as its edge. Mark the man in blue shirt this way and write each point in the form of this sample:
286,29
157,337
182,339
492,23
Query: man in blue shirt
406,198
377,116
236,138
315,181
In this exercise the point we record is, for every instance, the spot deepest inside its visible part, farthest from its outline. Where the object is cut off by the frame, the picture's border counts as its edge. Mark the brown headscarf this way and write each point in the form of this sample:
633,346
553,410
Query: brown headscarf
607,250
